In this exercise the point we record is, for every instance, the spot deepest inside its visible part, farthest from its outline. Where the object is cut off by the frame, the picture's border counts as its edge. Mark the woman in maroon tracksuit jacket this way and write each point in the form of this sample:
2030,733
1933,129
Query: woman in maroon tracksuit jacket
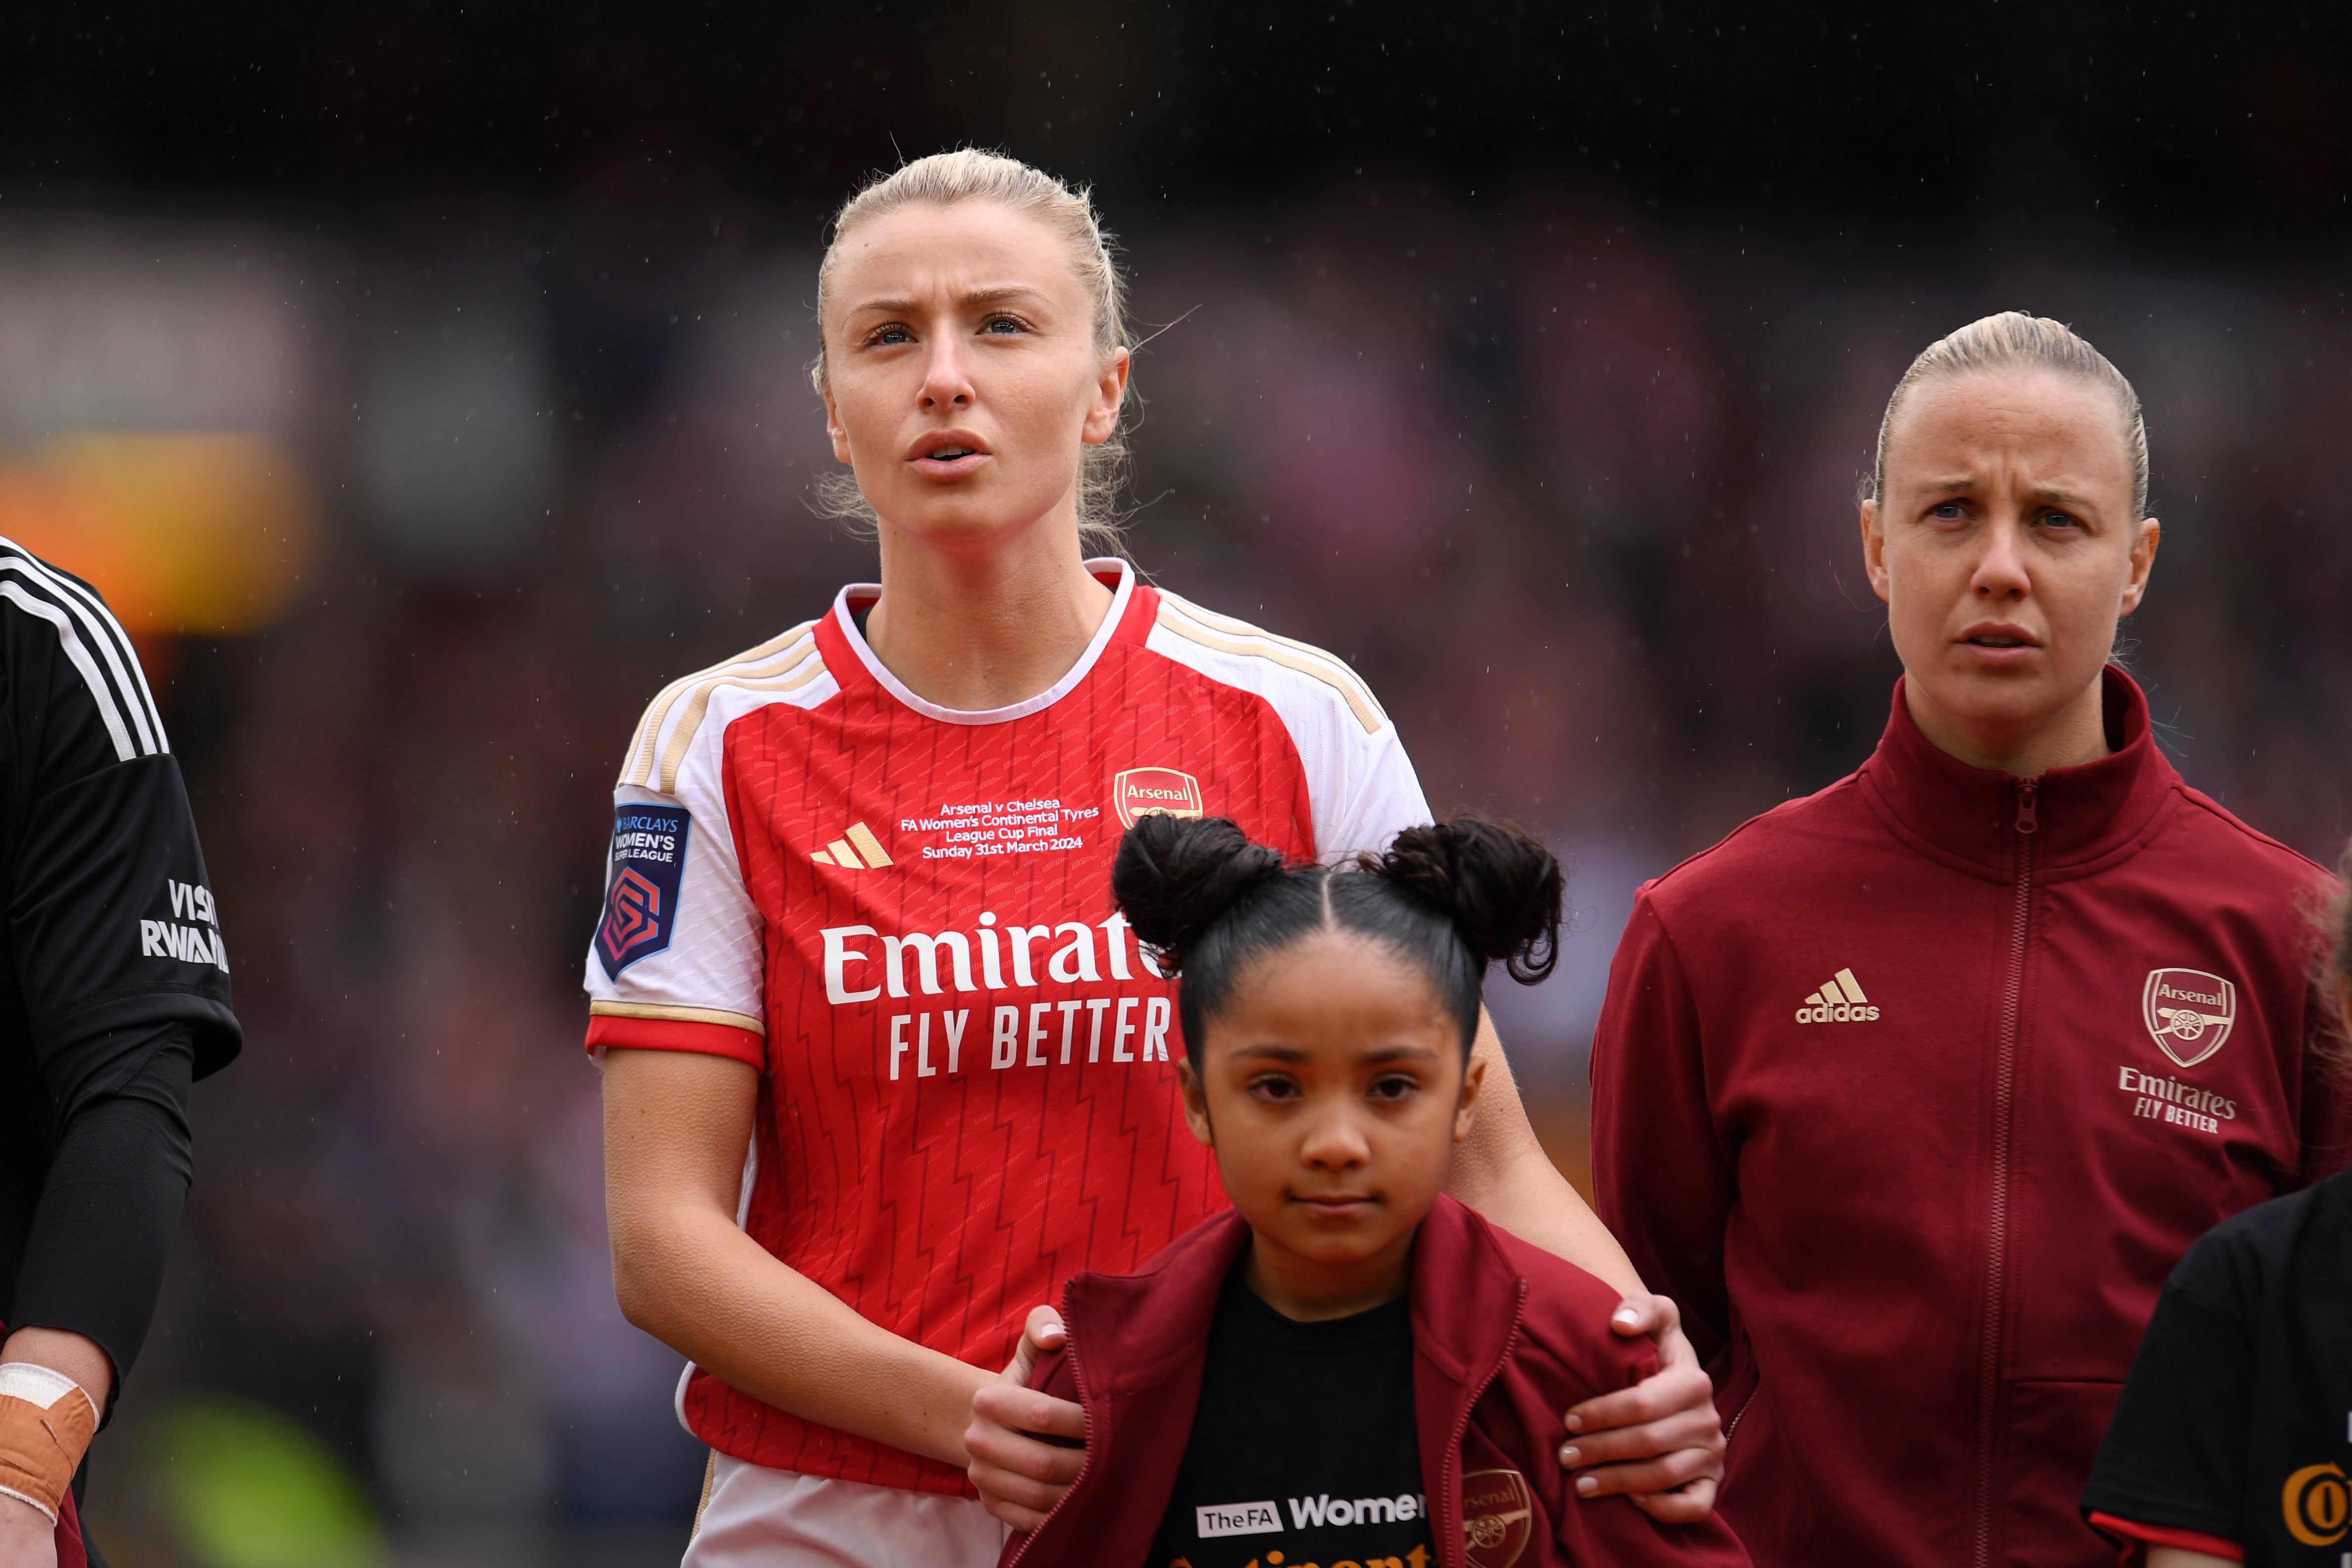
1913,1092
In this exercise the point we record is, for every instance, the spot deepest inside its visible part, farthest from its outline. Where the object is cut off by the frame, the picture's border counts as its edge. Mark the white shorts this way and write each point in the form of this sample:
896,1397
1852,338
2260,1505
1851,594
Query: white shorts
756,1518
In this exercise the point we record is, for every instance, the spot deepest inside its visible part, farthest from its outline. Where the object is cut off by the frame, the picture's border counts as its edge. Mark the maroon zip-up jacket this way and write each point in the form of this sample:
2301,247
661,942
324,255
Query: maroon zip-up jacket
1912,1093
1504,1339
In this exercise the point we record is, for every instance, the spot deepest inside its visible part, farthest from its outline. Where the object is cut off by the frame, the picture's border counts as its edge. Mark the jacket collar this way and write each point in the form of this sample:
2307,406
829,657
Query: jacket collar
2083,815
1460,1283
1140,1347
1139,1329
1467,1302
1131,1332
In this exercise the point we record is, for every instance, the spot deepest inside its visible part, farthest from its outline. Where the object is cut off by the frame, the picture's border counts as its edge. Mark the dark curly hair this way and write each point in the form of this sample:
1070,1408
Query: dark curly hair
1451,897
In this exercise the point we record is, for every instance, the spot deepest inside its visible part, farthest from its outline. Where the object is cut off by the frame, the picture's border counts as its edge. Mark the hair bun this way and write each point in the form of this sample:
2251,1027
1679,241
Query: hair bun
1175,877
1501,887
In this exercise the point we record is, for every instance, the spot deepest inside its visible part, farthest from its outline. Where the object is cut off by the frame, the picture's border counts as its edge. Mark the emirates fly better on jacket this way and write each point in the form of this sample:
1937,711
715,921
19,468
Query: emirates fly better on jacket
1913,1092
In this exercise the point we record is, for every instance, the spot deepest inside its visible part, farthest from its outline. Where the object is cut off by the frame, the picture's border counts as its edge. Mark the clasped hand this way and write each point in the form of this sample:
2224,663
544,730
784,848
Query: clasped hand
1659,1442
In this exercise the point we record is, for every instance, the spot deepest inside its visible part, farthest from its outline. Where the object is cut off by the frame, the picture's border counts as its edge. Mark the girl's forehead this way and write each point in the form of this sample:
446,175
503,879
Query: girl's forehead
1330,984
1326,949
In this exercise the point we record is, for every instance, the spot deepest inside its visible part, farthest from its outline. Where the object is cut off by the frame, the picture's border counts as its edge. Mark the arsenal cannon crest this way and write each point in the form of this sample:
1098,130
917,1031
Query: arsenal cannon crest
2189,1012
1497,1517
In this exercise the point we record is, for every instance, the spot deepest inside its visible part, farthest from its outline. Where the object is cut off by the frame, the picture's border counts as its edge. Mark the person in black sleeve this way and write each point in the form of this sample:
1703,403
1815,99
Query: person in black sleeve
2232,1441
114,997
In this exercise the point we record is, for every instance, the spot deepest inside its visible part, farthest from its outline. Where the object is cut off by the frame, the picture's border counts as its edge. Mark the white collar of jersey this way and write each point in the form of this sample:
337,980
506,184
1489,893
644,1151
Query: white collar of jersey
1101,566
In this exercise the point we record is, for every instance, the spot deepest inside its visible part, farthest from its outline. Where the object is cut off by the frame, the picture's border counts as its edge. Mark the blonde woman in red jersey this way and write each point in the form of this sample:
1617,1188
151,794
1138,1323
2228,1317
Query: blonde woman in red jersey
858,921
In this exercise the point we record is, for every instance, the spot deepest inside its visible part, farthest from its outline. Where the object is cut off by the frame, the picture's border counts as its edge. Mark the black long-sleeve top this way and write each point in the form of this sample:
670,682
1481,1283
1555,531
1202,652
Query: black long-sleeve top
114,989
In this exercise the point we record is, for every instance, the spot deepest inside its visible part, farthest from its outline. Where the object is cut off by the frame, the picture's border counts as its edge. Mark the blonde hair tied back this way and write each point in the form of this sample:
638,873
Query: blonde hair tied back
2334,916
966,175
2015,340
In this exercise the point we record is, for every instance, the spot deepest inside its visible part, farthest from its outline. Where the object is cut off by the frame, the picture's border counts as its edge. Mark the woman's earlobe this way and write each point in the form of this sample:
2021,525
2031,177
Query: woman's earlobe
1196,1106
1466,1104
1874,550
1110,392
2144,550
835,433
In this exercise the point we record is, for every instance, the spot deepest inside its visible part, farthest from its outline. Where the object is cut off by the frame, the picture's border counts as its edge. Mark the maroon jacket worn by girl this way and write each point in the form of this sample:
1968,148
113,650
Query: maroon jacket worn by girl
1504,1339
1913,1092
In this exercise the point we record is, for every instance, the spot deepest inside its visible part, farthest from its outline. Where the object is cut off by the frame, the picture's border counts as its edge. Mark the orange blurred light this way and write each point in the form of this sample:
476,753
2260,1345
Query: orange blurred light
204,534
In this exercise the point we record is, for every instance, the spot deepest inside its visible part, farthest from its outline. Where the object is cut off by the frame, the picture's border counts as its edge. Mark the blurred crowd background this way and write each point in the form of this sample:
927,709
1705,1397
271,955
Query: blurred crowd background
426,387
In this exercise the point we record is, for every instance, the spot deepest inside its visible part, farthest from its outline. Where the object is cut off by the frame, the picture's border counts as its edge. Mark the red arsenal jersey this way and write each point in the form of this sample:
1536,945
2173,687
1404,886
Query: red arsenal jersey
901,914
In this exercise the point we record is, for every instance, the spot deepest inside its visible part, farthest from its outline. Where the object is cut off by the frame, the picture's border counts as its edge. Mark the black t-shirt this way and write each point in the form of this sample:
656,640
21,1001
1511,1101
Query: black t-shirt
2237,1419
111,961
1303,1449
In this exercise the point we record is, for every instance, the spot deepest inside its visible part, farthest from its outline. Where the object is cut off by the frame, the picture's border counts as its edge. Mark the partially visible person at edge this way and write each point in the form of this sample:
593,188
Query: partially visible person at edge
1911,1092
1323,1374
2232,1442
857,922
113,998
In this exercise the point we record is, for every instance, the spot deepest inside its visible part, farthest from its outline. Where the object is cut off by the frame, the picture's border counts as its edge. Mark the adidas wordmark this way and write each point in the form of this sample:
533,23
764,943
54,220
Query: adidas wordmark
1839,1001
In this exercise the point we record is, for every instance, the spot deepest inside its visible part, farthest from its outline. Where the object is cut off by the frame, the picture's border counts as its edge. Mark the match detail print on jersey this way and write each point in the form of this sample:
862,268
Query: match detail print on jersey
900,914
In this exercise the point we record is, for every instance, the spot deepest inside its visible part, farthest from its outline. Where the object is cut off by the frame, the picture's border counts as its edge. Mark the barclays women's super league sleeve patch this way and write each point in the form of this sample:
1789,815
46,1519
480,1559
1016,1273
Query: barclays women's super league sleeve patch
642,892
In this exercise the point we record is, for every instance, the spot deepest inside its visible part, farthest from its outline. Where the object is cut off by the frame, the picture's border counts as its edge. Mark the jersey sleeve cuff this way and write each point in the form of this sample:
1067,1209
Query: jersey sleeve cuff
2136,1539
705,1031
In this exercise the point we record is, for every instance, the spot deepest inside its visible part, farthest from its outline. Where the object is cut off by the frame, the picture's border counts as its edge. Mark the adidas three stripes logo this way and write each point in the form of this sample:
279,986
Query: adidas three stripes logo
1839,1001
856,850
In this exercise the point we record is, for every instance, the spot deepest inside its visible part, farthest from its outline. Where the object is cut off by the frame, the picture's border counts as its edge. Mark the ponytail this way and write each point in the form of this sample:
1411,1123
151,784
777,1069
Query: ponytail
1500,889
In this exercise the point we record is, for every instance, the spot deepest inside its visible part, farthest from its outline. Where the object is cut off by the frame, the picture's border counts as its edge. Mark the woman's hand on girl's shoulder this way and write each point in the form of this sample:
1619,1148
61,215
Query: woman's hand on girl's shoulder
1661,1441
1026,1446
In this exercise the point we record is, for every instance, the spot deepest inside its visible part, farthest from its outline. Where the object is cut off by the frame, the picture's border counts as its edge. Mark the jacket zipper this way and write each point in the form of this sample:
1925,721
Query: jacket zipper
1449,1477
1739,1415
2029,822
1078,1376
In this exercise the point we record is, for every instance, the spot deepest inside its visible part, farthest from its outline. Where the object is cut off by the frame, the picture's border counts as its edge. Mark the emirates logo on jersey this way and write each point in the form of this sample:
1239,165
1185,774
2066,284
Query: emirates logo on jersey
2188,1012
1140,792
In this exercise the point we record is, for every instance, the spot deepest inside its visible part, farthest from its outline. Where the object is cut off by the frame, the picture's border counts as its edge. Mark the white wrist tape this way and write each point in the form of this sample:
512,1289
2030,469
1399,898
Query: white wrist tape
46,1423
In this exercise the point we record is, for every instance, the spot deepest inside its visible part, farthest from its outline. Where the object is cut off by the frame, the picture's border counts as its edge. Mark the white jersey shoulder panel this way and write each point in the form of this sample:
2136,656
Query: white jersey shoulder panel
780,667
1360,780
713,969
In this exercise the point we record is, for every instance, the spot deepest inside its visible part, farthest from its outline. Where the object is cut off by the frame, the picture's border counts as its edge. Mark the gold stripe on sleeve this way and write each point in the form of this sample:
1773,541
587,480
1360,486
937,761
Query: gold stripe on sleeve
1228,624
724,1020
1367,713
638,768
709,1478
674,754
764,660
